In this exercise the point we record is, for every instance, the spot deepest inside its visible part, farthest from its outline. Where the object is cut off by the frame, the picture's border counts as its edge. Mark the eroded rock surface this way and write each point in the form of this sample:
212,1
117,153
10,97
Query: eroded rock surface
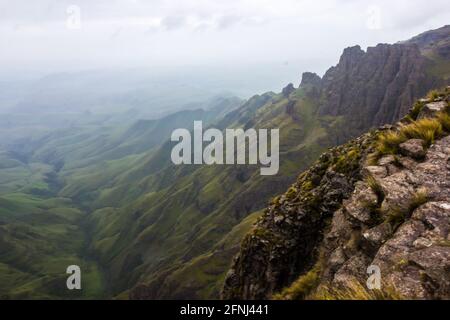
344,216
414,257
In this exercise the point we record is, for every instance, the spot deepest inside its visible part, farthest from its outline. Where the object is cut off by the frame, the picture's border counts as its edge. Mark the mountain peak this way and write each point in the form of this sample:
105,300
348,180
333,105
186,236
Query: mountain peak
351,56
310,79
288,90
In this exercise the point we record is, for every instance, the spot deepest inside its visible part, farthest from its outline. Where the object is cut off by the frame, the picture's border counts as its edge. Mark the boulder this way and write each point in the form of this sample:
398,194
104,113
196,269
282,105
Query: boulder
378,235
413,148
430,109
385,160
376,171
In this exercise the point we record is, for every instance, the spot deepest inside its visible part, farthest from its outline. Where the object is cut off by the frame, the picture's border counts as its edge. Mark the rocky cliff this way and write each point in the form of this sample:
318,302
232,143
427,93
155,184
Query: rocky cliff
379,201
377,86
162,254
367,85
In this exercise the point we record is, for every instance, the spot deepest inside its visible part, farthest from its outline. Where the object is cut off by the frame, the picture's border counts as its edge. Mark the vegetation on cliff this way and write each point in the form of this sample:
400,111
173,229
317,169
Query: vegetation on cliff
388,208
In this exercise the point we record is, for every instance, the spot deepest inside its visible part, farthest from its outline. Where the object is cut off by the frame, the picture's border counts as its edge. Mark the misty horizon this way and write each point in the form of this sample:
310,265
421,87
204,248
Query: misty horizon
280,40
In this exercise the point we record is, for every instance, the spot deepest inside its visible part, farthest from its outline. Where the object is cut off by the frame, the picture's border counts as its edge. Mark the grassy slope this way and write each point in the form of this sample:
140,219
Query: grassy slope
41,232
153,226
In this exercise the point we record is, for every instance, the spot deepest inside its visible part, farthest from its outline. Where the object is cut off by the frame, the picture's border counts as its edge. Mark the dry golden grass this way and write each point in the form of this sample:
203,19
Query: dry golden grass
301,287
426,129
355,291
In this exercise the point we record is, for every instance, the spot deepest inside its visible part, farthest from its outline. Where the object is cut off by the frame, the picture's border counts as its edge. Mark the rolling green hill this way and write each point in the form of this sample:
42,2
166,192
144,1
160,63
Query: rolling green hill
108,198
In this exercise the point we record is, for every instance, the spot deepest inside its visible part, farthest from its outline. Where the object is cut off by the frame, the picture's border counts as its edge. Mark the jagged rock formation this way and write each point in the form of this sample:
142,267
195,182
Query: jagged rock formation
288,90
284,242
378,86
351,211
310,79
366,85
375,87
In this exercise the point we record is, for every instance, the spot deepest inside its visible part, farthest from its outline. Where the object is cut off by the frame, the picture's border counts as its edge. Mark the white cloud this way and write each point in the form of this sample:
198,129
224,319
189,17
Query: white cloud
160,32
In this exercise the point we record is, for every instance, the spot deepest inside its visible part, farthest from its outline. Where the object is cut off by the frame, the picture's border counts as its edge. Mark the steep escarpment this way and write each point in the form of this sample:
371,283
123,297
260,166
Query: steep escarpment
377,86
379,201
165,254
285,240
160,231
366,85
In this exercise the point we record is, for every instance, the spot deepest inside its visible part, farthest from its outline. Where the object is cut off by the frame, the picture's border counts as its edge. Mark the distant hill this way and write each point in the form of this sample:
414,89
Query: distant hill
109,197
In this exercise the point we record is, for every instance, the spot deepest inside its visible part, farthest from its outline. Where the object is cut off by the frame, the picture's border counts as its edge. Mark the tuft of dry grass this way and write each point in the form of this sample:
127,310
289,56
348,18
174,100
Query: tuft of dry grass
355,291
426,129
433,95
418,106
302,287
444,119
375,186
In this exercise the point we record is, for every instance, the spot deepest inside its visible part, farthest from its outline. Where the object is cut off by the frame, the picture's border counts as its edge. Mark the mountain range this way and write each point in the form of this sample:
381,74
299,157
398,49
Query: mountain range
108,198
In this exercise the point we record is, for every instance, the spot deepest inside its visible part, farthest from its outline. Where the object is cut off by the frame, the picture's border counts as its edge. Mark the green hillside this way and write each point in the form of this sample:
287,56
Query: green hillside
106,196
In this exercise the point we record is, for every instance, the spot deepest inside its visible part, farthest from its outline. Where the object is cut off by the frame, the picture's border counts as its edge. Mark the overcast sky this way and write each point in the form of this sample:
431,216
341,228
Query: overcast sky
57,35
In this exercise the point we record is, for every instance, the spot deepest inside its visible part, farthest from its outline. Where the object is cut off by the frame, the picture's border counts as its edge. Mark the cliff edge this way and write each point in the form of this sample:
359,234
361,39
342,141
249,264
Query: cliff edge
379,202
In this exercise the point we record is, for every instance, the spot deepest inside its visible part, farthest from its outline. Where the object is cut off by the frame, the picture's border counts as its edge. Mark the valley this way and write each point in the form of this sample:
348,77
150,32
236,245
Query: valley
103,193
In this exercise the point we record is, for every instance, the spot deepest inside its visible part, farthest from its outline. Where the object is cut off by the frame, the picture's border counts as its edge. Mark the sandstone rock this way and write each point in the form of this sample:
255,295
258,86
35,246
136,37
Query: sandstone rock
358,206
385,160
337,258
378,235
431,109
398,192
407,162
412,249
376,171
402,80
288,90
352,271
310,79
274,254
413,148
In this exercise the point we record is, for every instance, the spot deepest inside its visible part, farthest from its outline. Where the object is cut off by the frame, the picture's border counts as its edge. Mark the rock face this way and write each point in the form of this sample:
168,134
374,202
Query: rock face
414,254
344,217
310,79
430,109
413,148
378,86
285,240
288,90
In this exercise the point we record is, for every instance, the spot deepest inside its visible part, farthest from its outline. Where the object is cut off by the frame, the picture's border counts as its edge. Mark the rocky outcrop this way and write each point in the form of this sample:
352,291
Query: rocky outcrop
413,148
288,90
310,79
285,240
431,108
375,87
312,85
351,213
